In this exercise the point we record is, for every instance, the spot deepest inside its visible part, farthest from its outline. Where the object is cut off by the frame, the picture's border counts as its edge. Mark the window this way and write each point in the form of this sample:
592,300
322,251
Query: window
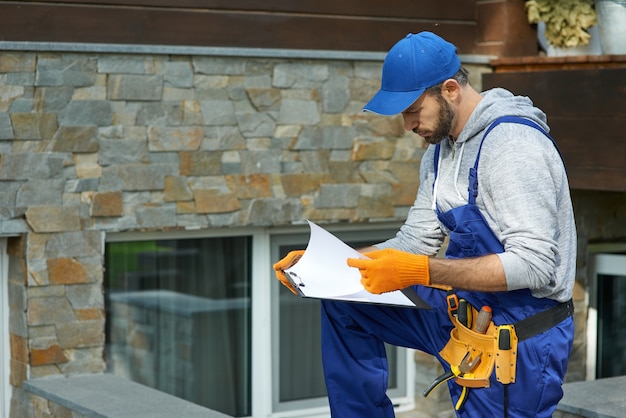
202,318
607,317
5,352
178,315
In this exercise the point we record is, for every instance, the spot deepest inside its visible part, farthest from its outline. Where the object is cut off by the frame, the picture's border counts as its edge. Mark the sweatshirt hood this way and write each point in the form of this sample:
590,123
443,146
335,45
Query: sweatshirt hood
500,102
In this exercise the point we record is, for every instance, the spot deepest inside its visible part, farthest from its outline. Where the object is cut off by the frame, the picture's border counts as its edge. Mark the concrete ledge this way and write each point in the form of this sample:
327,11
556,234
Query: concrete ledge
212,51
109,396
602,398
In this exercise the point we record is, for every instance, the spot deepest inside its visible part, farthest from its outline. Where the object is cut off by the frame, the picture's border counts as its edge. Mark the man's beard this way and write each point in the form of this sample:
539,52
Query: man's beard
444,123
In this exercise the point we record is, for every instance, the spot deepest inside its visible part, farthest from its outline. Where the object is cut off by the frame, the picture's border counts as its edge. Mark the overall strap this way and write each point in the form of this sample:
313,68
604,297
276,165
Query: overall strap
473,174
436,157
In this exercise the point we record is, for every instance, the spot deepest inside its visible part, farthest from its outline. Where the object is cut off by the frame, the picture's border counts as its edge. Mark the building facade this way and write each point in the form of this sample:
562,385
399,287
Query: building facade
147,190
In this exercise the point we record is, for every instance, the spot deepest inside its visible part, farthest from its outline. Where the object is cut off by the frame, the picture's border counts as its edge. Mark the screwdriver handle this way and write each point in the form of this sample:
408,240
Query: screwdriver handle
483,320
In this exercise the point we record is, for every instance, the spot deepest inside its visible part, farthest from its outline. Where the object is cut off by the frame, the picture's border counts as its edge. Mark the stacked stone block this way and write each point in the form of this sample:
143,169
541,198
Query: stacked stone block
116,142
99,143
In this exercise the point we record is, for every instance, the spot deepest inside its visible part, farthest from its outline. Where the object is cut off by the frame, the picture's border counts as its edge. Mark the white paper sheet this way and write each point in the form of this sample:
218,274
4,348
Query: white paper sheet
323,273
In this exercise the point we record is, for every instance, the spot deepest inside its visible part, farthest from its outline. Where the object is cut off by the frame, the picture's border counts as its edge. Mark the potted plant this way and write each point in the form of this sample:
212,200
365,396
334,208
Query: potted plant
566,24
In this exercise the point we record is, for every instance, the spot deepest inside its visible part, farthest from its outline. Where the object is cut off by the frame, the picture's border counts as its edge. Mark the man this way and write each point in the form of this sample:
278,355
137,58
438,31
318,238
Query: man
498,189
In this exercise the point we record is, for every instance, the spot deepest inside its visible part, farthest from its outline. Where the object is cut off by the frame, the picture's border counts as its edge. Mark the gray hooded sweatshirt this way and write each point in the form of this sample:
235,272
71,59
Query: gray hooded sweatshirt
523,193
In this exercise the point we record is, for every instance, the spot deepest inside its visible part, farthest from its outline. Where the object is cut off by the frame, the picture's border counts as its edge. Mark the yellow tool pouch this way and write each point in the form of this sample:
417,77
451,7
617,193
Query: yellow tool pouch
497,348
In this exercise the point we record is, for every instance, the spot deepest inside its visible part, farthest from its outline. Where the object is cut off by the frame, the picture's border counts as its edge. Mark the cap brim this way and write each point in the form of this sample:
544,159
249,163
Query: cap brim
389,103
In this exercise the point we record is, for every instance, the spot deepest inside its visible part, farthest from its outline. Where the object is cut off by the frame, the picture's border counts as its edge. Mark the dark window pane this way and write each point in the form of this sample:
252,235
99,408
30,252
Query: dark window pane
178,318
611,326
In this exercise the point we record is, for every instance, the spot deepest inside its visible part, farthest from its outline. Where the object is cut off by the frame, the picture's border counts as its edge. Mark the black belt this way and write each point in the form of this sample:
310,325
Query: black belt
543,321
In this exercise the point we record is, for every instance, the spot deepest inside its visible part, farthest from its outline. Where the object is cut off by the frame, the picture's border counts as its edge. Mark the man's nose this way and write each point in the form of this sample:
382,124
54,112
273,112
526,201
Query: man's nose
410,123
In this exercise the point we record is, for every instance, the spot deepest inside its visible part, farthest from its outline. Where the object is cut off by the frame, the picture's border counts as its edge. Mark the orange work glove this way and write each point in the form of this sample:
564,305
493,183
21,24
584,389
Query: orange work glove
288,261
391,269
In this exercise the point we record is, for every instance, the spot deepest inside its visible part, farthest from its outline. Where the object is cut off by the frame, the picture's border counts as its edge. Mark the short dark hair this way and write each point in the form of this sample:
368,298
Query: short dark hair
460,76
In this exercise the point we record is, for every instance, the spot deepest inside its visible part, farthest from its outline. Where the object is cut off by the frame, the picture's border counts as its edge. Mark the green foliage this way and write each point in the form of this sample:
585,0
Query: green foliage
566,21
122,258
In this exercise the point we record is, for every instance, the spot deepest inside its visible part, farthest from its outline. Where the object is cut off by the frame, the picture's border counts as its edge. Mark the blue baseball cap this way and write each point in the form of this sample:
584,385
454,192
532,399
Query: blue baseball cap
412,65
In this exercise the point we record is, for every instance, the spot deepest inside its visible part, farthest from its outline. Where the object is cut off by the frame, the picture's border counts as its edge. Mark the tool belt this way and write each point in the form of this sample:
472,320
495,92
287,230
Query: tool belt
496,347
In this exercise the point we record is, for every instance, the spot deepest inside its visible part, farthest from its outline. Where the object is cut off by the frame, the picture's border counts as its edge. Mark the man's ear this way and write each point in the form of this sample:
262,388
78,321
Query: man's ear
451,89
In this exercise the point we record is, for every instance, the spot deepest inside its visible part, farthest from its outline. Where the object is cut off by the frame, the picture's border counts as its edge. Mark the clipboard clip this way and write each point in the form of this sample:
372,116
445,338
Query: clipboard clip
300,283
295,281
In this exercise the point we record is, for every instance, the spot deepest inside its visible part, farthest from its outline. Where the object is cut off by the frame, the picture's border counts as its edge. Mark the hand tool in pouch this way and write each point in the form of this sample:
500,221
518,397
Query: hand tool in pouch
483,320
466,371
464,314
466,366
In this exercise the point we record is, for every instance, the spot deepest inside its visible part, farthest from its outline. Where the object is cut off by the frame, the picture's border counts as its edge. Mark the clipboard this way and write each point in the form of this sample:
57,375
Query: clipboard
323,273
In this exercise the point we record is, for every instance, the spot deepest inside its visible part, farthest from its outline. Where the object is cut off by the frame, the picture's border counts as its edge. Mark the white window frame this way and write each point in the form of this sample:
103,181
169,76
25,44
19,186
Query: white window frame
600,264
263,288
402,397
5,347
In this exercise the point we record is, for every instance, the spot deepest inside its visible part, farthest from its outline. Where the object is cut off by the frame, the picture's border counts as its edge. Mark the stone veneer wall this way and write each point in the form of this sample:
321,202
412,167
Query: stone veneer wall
92,143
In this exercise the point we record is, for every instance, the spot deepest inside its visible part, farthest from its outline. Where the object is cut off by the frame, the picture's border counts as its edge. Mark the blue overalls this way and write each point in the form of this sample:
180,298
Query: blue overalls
353,353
